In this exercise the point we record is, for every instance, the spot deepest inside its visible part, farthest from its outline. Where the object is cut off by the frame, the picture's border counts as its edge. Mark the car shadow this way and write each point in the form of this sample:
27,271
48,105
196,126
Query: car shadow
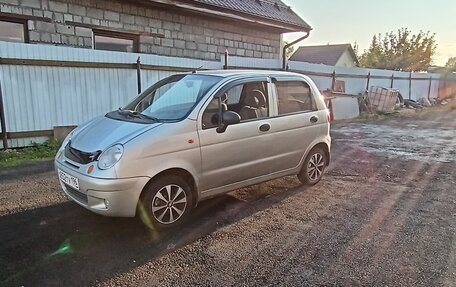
65,244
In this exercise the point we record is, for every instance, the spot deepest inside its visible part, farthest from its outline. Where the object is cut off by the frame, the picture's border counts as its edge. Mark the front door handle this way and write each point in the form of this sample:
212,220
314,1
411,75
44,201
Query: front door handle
265,127
314,119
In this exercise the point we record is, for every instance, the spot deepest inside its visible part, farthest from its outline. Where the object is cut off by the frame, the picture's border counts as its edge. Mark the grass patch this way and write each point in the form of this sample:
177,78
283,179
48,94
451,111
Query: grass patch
37,152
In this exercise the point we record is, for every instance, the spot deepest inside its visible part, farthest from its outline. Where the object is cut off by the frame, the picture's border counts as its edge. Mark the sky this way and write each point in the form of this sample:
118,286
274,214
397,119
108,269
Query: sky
350,21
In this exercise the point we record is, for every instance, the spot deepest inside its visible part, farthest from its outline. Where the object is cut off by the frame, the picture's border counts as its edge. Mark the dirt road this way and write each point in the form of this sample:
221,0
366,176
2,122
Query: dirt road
384,214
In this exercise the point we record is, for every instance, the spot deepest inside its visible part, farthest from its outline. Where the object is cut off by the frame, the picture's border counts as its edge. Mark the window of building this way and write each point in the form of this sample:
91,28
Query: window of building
114,41
13,30
294,97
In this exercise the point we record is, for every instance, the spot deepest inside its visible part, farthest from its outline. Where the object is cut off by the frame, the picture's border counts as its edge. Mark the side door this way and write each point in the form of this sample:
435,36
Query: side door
241,152
295,123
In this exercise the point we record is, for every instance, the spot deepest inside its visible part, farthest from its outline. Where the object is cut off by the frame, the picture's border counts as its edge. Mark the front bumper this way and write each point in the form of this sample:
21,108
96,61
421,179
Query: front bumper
109,197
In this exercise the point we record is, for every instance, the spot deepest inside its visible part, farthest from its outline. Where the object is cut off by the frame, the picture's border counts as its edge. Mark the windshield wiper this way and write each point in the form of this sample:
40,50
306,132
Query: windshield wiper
135,114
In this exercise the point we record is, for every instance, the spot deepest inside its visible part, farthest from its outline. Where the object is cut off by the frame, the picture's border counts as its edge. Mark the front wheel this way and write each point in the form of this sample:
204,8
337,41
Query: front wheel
166,202
313,167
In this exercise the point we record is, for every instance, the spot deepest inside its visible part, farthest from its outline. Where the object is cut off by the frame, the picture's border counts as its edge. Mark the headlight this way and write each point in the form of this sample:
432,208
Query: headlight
110,156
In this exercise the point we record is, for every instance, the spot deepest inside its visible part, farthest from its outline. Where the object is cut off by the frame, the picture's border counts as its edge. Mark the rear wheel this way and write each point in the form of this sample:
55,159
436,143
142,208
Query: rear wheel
166,202
313,167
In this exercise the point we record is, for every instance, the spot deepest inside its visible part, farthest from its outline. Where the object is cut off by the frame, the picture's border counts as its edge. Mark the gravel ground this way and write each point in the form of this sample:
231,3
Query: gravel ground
384,214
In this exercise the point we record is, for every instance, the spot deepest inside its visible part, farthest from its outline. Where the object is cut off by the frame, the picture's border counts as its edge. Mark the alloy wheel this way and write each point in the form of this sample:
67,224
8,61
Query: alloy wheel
169,204
316,166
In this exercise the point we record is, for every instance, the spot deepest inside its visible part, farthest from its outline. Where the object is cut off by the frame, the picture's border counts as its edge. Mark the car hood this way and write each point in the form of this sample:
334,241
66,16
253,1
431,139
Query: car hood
103,132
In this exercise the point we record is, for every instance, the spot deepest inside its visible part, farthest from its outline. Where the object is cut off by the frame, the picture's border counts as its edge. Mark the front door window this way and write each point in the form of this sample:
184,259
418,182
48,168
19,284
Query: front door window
249,100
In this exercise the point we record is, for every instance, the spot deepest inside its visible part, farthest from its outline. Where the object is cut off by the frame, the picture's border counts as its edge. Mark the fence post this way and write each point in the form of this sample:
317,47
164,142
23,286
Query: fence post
430,87
392,81
368,81
2,120
225,67
138,74
410,86
333,84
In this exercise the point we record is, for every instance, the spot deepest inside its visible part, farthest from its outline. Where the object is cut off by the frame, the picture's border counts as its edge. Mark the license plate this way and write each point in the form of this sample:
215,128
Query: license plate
68,179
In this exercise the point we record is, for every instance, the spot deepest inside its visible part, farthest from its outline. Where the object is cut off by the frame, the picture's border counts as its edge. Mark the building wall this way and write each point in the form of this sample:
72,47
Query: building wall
346,60
184,35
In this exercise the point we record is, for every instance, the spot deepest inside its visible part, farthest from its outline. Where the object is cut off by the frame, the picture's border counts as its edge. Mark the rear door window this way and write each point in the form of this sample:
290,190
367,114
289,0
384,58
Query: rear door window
294,97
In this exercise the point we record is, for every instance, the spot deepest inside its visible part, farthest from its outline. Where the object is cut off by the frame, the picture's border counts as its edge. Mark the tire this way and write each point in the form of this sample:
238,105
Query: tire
313,167
157,211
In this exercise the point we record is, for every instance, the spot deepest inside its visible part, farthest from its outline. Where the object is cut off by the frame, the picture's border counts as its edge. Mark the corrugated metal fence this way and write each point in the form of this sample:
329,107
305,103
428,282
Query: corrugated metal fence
356,79
46,86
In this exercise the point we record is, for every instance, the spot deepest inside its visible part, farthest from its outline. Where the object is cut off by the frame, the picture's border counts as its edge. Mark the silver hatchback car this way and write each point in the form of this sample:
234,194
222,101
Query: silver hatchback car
193,136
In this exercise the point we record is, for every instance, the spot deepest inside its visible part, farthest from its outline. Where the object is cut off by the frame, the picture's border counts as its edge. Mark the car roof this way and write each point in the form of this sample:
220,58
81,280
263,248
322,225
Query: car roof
250,73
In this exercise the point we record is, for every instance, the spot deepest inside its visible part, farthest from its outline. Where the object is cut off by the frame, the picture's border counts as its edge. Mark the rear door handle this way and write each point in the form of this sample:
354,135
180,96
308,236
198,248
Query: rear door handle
265,127
314,119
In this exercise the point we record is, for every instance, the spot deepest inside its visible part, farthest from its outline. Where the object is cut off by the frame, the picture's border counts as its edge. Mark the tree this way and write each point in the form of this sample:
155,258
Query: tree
356,50
401,51
451,64
289,51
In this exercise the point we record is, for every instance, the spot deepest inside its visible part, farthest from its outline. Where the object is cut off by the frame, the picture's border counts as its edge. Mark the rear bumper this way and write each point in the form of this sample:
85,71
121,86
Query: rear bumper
109,197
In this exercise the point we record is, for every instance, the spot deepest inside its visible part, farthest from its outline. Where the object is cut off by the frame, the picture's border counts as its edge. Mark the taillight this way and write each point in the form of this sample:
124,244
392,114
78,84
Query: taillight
329,117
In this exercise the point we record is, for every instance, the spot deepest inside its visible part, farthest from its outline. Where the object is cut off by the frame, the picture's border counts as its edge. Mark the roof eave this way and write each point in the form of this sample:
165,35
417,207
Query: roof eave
226,13
229,14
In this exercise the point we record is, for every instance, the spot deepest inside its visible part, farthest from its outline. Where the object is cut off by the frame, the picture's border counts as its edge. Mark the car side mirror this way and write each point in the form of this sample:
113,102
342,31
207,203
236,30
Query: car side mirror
228,118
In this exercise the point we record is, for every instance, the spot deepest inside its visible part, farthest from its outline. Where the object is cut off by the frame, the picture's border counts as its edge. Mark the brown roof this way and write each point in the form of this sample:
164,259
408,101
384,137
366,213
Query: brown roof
267,10
324,54
273,13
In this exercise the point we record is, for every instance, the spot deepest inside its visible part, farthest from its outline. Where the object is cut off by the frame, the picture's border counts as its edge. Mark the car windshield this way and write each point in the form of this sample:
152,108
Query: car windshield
172,98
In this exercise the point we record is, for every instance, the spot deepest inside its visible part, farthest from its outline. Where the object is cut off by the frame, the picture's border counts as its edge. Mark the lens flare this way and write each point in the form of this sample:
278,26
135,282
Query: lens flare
146,220
63,249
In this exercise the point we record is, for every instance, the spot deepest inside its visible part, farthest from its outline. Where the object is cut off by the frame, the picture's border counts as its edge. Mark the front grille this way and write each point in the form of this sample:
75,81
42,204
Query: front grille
77,194
80,156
